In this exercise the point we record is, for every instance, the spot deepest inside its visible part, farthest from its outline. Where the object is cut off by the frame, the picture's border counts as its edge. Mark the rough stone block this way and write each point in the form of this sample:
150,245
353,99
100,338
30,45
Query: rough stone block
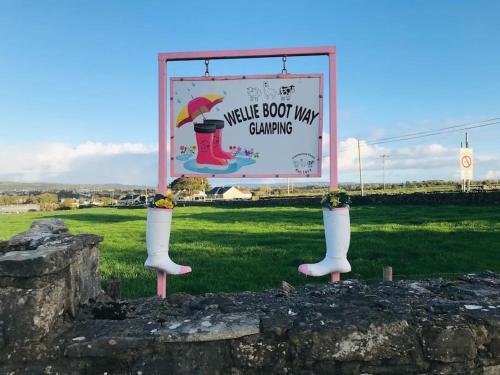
450,344
46,273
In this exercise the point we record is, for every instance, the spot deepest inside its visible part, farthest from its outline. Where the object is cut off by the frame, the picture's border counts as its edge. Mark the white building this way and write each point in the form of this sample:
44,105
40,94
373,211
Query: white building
228,193
18,208
132,200
198,196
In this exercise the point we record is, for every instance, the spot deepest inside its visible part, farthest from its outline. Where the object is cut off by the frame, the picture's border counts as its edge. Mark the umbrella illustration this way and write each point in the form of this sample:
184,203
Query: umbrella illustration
197,106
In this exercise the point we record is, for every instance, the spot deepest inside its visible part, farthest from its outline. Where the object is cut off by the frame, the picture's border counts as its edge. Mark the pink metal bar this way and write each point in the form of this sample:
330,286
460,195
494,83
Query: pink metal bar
333,125
245,175
162,128
251,53
335,277
255,76
172,147
320,140
334,178
161,284
161,287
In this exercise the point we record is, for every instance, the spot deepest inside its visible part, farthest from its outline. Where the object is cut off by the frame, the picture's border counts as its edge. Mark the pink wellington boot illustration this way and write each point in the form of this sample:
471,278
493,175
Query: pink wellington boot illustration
204,139
218,151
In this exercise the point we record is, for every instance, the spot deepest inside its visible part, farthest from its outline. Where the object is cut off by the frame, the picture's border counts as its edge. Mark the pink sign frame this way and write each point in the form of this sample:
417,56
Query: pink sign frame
165,58
246,175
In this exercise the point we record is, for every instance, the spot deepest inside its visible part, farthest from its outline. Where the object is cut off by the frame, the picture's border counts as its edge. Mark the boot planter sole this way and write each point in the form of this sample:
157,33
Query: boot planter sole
337,235
166,264
158,227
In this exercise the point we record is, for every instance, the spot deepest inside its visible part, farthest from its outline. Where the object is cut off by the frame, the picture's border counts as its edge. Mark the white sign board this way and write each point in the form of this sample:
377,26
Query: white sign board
265,126
466,164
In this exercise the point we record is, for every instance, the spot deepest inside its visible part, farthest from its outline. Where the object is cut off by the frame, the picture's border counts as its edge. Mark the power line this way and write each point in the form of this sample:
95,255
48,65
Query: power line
427,131
435,133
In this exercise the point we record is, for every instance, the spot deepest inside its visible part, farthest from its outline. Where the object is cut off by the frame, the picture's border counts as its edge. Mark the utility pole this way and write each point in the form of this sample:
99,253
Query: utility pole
384,156
462,181
465,182
360,171
467,146
288,185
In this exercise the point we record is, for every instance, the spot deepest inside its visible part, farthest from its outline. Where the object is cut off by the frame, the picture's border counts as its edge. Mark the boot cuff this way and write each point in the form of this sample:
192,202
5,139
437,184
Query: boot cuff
219,124
204,128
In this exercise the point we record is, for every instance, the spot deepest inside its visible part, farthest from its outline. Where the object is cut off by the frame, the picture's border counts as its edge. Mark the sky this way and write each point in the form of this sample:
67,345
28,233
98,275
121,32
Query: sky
78,80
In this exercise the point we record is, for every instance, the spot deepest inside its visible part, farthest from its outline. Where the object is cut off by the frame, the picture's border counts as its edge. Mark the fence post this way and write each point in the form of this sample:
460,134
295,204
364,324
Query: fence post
387,274
113,289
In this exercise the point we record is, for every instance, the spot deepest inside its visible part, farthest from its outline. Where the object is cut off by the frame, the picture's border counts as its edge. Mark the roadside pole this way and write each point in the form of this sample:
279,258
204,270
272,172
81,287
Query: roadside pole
360,171
383,168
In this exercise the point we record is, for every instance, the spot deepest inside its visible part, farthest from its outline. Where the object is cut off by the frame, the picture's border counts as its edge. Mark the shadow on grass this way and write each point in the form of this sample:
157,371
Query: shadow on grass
277,215
99,217
384,215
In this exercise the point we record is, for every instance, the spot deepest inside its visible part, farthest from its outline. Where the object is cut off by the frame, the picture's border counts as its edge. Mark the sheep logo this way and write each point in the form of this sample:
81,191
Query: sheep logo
303,163
269,92
253,93
286,92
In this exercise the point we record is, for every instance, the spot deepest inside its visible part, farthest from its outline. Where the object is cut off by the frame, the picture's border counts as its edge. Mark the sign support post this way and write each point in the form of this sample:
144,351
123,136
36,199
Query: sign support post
165,58
333,134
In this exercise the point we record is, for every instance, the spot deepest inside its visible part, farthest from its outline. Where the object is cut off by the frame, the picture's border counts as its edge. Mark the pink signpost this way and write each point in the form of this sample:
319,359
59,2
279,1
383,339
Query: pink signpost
163,157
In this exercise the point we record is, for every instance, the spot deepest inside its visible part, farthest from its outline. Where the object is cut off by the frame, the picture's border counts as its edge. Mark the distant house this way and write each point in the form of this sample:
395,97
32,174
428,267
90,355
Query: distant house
198,196
18,208
74,200
227,192
132,200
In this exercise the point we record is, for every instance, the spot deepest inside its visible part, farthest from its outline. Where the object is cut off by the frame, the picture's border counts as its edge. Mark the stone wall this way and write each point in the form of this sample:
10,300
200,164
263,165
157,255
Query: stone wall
424,327
489,198
45,274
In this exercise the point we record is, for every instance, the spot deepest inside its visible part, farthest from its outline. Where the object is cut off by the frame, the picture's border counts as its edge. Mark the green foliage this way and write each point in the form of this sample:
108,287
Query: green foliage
106,201
67,204
335,199
256,248
190,184
12,199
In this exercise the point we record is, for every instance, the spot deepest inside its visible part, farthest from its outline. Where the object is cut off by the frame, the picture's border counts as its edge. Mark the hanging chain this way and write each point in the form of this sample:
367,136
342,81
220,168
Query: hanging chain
284,71
207,73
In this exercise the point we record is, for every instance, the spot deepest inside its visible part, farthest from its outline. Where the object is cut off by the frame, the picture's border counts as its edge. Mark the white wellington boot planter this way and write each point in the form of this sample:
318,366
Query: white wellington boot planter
338,235
158,238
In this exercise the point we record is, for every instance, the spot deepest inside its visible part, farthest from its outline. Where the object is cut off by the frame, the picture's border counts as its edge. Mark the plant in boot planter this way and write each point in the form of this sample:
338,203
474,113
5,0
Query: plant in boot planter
336,199
159,223
337,225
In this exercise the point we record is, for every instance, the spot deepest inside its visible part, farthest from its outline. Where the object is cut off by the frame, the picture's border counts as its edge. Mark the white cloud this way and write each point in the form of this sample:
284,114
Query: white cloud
424,150
57,161
419,162
493,175
348,154
419,157
136,163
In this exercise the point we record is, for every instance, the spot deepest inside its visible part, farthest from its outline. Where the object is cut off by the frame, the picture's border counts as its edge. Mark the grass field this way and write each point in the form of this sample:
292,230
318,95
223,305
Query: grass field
255,248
